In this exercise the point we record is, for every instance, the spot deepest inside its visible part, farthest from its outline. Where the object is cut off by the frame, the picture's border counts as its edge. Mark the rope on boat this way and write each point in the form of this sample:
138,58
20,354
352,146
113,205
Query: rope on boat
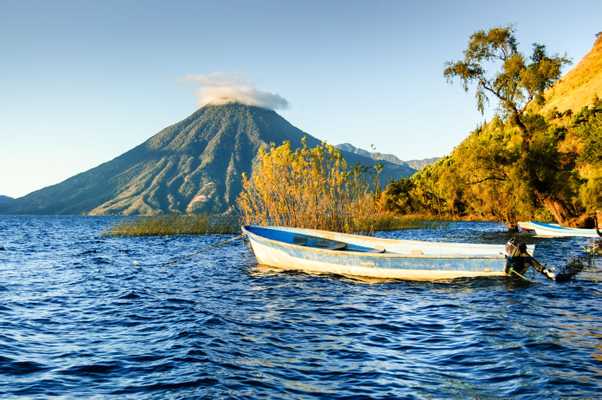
193,254
513,271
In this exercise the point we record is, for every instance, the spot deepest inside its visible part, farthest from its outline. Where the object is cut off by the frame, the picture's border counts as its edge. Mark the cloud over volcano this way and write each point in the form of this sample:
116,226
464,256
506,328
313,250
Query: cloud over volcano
220,88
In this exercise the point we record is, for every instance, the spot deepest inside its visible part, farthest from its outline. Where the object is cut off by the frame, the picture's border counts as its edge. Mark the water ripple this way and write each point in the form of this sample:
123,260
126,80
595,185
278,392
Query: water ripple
84,315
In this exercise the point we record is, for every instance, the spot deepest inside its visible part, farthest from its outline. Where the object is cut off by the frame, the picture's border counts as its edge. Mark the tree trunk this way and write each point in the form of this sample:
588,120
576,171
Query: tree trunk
582,221
558,209
519,122
526,142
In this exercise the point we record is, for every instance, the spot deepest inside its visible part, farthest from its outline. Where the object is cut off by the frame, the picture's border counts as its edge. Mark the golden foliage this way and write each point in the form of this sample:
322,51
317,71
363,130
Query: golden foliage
528,162
488,177
311,188
580,86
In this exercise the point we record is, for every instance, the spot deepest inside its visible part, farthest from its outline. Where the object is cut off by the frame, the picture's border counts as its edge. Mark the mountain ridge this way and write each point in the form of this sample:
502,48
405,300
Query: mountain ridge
416,164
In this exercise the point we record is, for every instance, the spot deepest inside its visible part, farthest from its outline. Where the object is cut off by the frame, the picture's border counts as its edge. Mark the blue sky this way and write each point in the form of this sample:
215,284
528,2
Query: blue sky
81,82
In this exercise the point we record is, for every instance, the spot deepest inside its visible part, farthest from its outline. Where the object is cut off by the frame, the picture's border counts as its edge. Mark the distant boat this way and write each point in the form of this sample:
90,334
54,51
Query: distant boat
554,230
317,251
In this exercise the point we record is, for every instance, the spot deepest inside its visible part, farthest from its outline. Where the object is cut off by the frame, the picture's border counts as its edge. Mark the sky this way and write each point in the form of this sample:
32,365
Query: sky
84,81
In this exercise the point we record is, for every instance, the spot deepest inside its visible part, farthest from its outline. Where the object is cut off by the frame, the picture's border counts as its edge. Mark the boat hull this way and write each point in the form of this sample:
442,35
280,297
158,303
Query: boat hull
554,230
286,256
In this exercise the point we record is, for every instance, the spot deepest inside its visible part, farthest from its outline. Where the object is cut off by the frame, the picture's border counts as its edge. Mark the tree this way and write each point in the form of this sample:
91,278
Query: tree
492,62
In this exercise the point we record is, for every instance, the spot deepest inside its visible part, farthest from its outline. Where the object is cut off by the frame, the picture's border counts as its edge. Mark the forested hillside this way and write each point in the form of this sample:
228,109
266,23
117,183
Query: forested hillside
530,161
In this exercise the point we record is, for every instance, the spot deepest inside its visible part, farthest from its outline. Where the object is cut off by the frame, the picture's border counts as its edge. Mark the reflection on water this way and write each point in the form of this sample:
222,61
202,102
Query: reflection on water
81,315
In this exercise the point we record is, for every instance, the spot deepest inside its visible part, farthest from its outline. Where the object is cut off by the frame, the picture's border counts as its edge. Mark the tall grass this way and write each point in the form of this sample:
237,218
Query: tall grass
175,225
312,188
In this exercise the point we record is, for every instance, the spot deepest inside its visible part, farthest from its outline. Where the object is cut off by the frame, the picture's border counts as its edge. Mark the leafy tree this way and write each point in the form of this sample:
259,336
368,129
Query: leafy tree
492,62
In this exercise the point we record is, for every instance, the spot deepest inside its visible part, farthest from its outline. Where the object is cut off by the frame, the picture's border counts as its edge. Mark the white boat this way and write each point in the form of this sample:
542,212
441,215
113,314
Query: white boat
554,230
317,251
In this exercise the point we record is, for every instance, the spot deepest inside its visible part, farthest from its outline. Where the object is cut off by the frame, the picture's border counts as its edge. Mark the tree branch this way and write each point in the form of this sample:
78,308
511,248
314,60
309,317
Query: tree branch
529,99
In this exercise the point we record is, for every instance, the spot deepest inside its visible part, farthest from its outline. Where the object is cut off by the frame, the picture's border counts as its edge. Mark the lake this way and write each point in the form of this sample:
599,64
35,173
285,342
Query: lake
84,315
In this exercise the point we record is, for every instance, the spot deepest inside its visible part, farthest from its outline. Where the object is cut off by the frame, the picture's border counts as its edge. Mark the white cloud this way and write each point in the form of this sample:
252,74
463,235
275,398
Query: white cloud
221,88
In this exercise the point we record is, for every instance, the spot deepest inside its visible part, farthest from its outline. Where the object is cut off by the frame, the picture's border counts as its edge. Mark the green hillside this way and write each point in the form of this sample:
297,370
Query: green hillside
194,165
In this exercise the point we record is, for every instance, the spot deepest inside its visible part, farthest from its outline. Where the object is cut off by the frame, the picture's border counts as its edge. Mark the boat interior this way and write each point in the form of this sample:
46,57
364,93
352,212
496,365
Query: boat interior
369,244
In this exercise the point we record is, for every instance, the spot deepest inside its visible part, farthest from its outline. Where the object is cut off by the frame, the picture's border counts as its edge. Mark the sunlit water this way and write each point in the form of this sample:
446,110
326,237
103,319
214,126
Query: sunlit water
84,315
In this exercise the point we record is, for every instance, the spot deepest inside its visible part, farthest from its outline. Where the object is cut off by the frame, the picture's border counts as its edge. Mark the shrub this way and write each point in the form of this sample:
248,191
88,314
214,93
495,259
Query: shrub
310,188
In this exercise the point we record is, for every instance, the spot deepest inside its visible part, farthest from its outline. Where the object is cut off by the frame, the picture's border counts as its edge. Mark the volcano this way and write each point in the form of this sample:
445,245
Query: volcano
192,166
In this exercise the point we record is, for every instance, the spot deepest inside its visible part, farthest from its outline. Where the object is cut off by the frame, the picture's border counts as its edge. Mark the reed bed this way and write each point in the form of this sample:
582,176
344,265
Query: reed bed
175,225
387,222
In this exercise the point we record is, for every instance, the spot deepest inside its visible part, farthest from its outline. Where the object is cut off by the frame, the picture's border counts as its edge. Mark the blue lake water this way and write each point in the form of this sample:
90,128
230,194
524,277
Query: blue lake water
84,315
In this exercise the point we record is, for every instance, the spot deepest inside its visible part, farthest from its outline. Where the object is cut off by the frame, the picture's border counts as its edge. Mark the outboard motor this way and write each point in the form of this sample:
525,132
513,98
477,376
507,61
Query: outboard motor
517,256
519,261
